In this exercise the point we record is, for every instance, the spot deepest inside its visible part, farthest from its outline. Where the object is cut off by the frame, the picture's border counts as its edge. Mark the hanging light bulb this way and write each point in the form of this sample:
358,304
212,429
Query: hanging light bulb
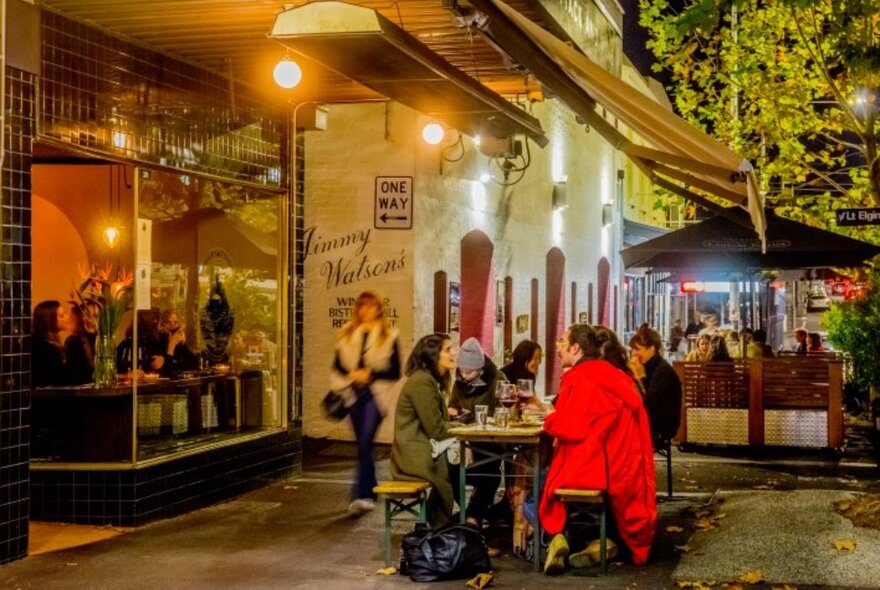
287,73
111,236
433,133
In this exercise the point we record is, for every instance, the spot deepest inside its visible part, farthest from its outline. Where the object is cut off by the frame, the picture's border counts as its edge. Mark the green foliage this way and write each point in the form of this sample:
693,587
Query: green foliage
254,306
854,327
777,80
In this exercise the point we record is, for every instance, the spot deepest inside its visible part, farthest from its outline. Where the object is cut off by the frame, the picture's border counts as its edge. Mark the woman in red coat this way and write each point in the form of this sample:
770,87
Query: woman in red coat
603,442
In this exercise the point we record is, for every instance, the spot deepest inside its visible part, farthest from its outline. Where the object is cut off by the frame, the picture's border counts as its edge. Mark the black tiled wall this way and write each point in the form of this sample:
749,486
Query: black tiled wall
15,304
135,497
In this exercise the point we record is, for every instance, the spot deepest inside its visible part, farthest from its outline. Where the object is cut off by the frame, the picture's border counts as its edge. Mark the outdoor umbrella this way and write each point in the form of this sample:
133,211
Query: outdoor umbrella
718,244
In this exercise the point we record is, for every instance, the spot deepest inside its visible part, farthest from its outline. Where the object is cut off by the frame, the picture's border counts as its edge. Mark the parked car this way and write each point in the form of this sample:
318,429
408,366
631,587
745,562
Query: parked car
818,300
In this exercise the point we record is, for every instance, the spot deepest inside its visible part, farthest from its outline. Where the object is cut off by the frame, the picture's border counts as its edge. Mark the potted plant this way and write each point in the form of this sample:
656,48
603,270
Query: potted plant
105,301
854,327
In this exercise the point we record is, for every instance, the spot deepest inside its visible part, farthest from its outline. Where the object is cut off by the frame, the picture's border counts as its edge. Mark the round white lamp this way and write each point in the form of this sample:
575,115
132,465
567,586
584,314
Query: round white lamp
433,133
287,73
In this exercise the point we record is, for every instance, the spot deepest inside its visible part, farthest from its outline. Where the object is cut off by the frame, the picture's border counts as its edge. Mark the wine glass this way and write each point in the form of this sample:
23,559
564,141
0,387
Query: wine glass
508,395
499,388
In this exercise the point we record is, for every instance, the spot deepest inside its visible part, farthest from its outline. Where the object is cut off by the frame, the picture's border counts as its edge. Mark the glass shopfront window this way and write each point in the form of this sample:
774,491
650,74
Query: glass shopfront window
174,285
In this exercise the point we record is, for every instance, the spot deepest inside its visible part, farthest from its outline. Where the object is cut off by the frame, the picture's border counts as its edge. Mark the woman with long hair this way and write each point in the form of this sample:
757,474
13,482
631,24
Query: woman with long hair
79,348
367,351
421,417
525,363
660,384
47,353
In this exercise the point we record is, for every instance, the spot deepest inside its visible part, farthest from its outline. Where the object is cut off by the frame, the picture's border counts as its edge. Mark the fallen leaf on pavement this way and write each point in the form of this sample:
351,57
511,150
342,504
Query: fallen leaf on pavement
751,577
783,587
762,487
674,529
844,505
733,586
695,584
704,524
387,571
291,487
480,581
719,516
683,548
845,545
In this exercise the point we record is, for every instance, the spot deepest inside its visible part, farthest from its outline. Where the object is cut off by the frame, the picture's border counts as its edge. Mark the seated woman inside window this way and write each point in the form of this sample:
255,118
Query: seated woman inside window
47,353
172,345
79,348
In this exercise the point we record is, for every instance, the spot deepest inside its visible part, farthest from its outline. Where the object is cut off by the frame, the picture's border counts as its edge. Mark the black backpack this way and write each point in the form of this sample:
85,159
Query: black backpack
452,552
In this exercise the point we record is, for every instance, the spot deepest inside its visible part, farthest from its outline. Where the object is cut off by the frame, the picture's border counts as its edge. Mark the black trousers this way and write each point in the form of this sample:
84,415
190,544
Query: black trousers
485,479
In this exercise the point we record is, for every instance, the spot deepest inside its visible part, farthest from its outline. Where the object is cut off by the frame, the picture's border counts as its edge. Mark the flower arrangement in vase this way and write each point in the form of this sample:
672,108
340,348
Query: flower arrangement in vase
104,298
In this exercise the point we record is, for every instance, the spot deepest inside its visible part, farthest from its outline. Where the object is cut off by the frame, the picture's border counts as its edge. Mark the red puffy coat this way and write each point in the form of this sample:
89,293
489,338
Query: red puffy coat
603,442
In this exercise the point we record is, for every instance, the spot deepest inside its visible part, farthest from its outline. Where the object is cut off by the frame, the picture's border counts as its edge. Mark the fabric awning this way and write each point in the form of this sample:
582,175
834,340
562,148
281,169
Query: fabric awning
717,245
679,156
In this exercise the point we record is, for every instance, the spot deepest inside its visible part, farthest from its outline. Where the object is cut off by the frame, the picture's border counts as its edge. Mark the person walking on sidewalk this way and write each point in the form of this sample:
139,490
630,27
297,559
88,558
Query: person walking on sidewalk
603,442
367,351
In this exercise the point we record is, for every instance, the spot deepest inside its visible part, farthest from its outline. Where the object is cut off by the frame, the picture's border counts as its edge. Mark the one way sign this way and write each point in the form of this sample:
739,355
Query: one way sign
394,202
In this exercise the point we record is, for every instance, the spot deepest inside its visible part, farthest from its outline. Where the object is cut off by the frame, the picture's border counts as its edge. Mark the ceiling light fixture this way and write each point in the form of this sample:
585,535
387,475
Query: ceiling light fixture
287,73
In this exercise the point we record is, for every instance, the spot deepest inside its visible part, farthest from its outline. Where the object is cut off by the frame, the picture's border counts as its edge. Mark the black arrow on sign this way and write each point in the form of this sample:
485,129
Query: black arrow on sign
385,217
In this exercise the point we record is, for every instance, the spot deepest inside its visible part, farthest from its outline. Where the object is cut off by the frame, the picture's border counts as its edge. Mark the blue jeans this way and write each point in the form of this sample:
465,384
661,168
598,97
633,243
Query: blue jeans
365,418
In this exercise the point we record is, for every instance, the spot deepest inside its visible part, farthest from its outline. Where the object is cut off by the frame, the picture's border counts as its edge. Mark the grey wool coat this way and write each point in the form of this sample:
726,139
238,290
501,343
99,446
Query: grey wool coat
421,416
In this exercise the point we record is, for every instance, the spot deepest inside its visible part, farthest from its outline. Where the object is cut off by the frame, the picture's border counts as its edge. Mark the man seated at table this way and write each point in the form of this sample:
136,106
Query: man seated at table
475,380
603,442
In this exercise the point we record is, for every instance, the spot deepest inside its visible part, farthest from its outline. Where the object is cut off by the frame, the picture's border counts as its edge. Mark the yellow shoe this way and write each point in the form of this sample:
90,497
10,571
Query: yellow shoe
590,556
556,554
492,552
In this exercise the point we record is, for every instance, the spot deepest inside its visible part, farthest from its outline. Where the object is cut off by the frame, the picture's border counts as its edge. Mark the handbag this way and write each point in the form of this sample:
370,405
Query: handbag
452,552
335,406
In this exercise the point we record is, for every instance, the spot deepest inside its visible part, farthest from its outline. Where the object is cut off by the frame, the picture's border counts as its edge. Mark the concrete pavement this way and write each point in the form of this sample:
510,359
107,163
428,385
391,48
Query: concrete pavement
296,534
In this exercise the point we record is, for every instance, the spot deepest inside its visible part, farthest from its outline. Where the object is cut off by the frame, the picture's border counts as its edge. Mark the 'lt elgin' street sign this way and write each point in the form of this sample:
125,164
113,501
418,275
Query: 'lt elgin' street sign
858,216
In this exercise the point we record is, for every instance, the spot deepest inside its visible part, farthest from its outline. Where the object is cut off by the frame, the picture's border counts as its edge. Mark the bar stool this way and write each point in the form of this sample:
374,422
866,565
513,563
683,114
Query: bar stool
401,497
584,499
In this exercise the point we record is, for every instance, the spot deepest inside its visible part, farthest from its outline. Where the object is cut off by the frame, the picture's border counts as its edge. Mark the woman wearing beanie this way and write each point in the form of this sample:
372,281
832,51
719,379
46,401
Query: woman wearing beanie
366,351
475,380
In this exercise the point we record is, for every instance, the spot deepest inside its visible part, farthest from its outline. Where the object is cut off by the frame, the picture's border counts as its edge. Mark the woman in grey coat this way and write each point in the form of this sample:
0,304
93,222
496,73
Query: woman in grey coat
422,416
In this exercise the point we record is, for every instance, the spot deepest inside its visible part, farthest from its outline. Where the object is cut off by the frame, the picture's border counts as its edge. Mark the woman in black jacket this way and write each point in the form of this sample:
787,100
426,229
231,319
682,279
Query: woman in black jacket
660,384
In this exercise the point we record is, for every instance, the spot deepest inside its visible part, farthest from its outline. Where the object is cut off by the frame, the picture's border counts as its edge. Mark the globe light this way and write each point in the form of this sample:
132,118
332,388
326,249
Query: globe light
433,133
287,73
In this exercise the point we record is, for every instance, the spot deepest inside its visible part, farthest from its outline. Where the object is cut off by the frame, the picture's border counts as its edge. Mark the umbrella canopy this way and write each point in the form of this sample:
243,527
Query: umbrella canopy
718,244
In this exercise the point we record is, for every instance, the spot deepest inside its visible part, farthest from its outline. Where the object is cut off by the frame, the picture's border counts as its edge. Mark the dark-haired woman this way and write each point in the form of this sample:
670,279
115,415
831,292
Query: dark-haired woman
79,348
526,360
660,384
47,352
421,417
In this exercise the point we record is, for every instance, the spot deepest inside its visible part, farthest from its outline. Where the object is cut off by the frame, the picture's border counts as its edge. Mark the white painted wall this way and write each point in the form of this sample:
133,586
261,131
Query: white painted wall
369,140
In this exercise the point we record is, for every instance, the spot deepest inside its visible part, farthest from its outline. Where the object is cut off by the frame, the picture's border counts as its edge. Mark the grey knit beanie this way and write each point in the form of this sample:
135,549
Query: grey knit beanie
470,355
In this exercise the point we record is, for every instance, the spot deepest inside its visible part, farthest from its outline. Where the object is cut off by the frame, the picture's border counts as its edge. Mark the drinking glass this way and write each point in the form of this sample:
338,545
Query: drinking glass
502,418
480,414
508,395
525,388
499,388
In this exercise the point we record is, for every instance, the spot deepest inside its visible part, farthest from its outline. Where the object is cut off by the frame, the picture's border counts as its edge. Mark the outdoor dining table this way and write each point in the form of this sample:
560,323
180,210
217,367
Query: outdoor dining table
512,440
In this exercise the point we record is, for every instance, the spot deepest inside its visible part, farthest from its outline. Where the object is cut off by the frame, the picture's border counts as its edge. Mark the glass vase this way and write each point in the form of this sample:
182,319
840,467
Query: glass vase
105,361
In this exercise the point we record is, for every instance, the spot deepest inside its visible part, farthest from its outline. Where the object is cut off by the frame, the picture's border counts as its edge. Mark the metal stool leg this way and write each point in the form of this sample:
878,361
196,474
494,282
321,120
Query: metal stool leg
603,546
669,468
386,535
423,508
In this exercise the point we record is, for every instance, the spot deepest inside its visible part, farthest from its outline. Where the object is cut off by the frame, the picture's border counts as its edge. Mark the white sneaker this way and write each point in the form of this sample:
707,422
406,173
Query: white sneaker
361,506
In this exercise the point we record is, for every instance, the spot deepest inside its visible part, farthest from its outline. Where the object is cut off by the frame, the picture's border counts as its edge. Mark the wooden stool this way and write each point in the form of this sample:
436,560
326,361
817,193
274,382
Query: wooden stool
591,498
401,497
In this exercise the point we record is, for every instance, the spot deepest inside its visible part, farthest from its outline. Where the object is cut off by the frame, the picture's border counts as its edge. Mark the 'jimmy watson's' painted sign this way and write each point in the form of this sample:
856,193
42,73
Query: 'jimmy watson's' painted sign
394,202
858,216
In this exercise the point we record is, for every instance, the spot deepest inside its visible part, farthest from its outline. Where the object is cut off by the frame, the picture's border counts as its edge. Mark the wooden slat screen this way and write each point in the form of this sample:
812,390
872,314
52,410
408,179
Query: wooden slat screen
716,384
796,382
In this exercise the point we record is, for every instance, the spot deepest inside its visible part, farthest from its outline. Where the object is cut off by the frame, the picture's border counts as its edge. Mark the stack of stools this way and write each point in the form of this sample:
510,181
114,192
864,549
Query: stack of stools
590,499
401,497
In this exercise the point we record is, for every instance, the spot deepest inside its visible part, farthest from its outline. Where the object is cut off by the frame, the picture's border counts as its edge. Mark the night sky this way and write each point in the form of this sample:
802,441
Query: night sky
635,37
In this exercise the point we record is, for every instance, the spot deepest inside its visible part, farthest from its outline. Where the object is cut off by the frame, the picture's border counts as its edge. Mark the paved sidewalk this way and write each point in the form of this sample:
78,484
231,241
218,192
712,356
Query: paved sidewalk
296,534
